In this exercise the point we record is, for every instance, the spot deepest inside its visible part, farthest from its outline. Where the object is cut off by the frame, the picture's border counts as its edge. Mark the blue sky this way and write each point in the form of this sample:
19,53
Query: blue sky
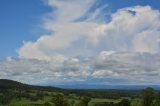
20,20
80,40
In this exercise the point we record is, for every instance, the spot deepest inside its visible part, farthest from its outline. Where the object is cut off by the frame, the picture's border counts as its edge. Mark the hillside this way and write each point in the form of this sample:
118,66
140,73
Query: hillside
10,84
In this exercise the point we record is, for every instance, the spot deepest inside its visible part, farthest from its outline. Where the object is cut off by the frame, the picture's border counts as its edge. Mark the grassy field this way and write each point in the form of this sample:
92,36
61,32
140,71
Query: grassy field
97,100
50,95
24,101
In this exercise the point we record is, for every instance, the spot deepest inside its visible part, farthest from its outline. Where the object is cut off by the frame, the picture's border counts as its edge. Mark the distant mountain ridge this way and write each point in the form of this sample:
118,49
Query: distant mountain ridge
114,87
10,84
6,83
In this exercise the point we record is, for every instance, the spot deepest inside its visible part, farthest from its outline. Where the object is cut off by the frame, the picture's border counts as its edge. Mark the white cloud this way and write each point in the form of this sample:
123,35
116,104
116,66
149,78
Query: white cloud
135,29
65,29
128,30
104,73
131,67
70,10
105,54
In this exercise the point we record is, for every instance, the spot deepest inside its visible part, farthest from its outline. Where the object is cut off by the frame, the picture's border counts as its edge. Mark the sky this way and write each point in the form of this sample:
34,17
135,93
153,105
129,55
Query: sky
110,42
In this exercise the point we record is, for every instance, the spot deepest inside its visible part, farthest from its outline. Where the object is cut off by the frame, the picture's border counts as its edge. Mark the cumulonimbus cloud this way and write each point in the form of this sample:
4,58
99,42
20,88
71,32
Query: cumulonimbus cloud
128,30
131,36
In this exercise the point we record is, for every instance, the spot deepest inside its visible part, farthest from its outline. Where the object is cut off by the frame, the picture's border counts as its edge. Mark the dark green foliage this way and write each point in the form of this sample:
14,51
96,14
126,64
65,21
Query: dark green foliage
59,100
41,94
47,104
72,102
85,100
5,99
79,104
148,96
110,94
157,100
124,102
106,104
14,85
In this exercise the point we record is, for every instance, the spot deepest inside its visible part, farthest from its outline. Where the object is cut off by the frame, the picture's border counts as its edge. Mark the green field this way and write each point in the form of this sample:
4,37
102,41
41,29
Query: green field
50,95
23,101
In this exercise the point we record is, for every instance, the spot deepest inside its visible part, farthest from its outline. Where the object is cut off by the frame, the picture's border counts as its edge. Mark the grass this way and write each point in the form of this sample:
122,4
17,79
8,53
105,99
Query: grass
23,101
102,100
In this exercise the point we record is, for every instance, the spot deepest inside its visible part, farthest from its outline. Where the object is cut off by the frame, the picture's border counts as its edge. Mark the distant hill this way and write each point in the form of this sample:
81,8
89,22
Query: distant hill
10,84
113,87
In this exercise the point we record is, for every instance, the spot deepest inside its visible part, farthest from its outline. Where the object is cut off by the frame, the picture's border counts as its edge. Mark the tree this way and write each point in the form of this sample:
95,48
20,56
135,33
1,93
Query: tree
136,102
47,104
79,104
157,100
59,100
124,102
148,96
72,102
85,100
5,100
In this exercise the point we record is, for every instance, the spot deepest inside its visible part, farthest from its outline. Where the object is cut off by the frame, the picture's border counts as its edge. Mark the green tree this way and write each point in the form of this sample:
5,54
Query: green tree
124,102
72,102
85,100
47,104
148,96
157,100
79,104
59,100
136,102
